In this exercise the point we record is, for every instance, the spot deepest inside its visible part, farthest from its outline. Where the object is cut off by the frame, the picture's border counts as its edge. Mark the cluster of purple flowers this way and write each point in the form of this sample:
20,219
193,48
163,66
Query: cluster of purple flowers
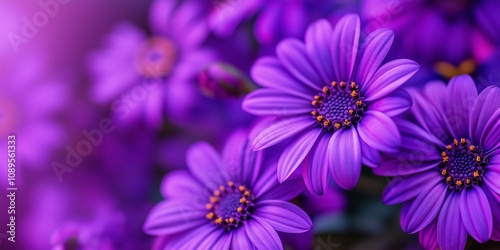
236,123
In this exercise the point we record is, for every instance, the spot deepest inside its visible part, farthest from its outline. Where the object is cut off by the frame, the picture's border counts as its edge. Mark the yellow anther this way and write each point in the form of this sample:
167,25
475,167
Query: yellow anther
468,181
446,159
230,183
231,220
347,123
443,154
476,174
214,199
327,123
444,172
478,158
334,83
314,113
315,102
217,193
462,140
241,188
353,85
449,179
209,206
319,118
239,209
222,188
218,220
472,148
351,111
359,102
455,142
317,97
459,183
449,147
354,93
326,90
243,200
342,84
210,216
337,125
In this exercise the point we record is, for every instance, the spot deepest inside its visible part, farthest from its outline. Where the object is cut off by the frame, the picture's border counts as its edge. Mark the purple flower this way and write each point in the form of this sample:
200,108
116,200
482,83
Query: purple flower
233,201
447,169
438,31
334,102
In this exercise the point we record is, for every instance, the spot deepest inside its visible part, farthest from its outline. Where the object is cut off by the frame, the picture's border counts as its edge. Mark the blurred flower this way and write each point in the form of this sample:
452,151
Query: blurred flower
229,202
447,169
221,80
30,105
334,111
439,32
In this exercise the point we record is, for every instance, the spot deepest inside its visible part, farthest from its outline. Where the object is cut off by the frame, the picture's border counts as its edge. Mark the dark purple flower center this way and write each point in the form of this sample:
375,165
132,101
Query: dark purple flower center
72,244
338,105
230,205
156,57
463,164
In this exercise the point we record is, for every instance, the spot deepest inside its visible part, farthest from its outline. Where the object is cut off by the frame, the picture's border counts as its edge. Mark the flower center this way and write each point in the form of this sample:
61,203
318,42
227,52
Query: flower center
463,164
230,205
338,105
156,57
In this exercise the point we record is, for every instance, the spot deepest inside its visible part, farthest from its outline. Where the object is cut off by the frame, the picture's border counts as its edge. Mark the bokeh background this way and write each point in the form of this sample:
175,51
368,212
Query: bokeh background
96,131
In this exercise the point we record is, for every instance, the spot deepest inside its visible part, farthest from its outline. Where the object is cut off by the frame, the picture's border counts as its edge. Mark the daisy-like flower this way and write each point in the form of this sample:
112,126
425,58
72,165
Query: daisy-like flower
233,201
448,168
334,101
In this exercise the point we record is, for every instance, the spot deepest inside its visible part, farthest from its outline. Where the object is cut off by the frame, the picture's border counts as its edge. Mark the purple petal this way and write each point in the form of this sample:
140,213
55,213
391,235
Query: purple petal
491,177
485,105
206,165
241,240
281,130
286,191
262,235
275,102
425,207
180,184
217,239
295,153
292,54
378,131
460,97
371,157
403,167
434,91
476,213
451,231
315,167
317,40
374,50
431,117
428,236
268,72
170,217
494,201
283,216
394,104
403,217
344,46
344,151
389,77
238,156
192,238
402,189
490,139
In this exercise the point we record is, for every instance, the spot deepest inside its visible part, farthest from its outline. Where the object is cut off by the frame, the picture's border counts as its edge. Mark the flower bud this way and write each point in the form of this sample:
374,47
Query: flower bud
221,80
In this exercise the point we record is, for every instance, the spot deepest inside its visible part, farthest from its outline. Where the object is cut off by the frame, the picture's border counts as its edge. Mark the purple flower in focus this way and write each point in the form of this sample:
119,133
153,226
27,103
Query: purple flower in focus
438,31
338,114
448,167
233,201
